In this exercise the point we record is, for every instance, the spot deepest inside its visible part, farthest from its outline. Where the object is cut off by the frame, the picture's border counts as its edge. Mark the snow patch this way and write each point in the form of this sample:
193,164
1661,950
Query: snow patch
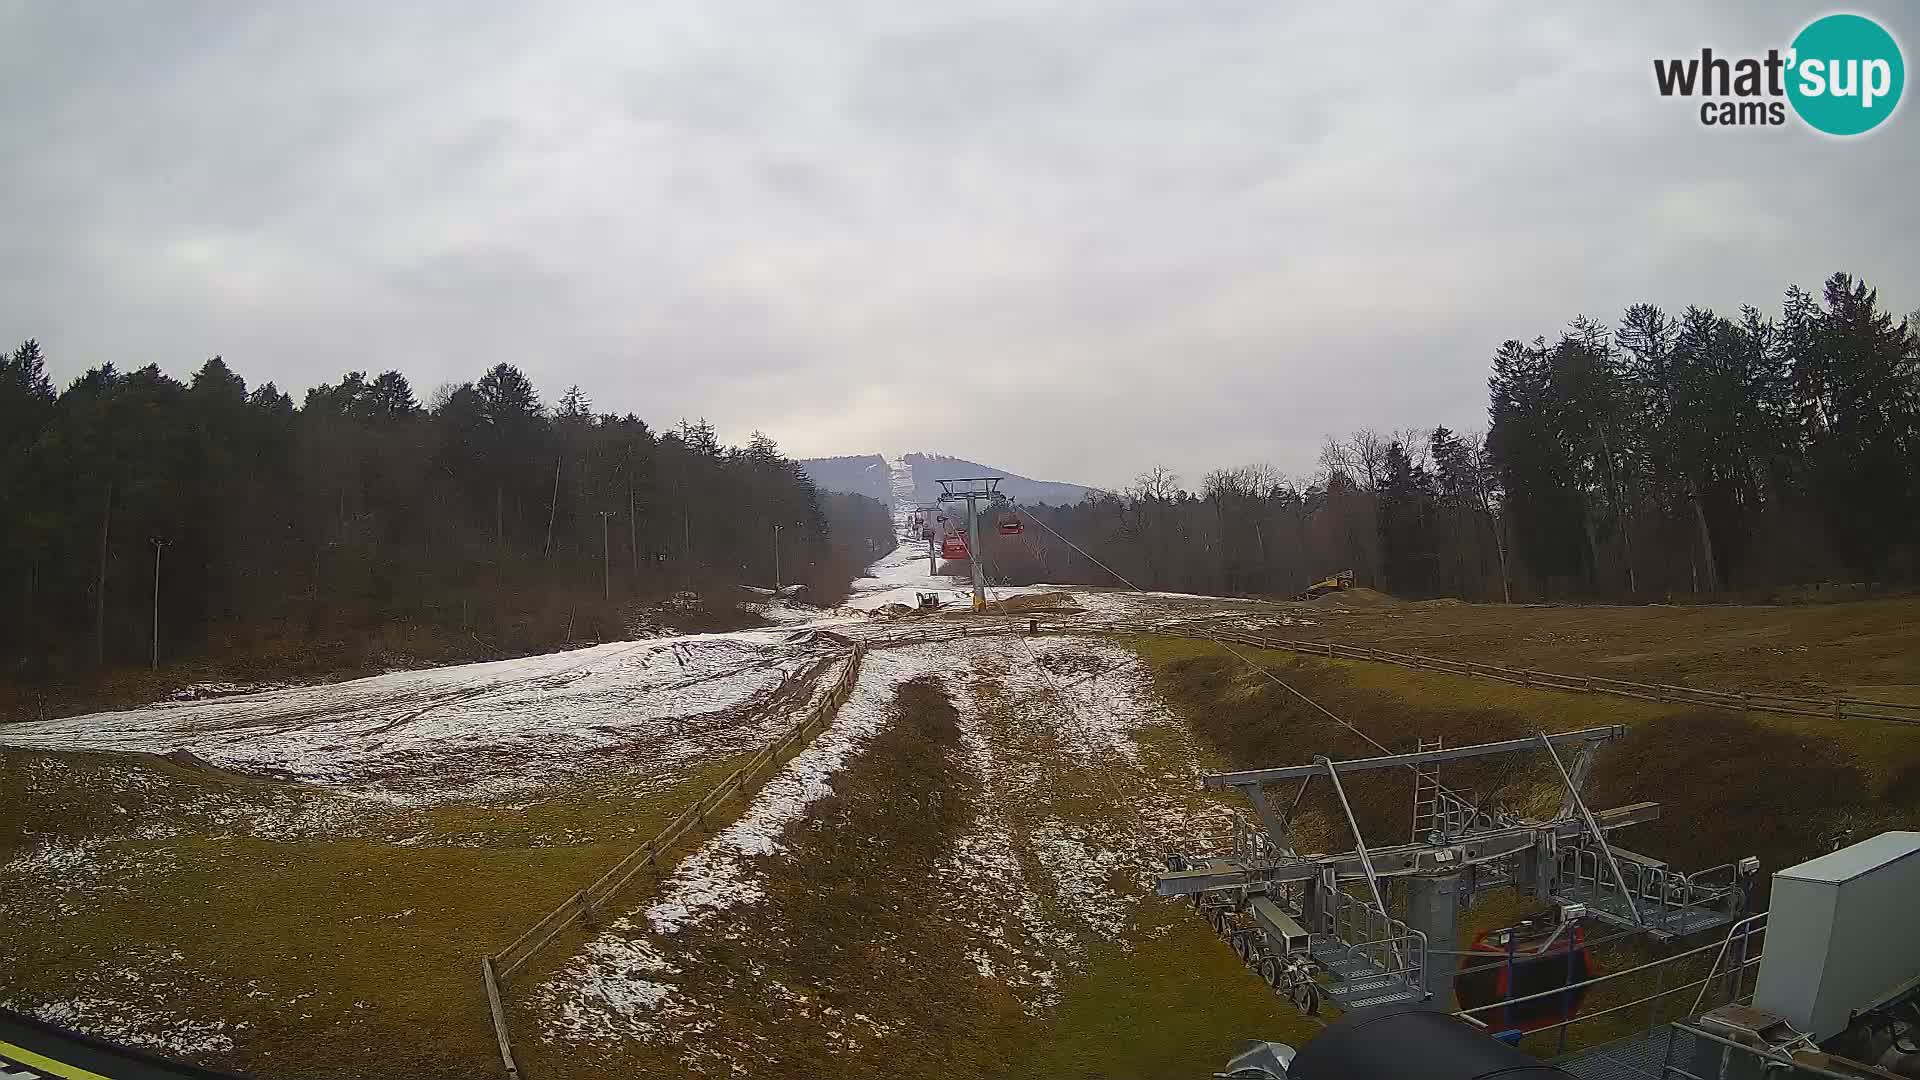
472,731
592,998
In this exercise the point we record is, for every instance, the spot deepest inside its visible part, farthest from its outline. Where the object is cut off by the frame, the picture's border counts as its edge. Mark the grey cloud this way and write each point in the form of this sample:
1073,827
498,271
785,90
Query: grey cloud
1072,239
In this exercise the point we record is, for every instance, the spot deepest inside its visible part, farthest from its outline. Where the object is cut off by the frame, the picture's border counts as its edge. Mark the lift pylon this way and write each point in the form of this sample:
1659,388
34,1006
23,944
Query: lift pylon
971,490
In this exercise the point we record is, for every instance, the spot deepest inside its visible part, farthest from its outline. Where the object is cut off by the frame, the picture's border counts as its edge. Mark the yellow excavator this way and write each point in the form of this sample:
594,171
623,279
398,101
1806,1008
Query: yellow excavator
1330,583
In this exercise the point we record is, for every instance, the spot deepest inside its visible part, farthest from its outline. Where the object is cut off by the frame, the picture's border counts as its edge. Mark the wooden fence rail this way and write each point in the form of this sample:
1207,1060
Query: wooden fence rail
588,902
1833,708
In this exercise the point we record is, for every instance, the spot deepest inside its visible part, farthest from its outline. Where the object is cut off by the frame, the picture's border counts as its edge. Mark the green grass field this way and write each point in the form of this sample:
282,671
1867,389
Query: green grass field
327,937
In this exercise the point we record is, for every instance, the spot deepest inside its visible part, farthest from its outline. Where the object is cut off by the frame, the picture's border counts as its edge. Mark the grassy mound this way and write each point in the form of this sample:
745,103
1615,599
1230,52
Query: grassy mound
1046,602
1718,775
1349,599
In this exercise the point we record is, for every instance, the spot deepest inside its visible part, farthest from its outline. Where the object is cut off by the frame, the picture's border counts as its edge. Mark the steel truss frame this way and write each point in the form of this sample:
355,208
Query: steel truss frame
1298,919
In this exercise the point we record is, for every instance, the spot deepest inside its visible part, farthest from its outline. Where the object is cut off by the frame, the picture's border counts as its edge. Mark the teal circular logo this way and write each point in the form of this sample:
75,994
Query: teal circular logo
1846,74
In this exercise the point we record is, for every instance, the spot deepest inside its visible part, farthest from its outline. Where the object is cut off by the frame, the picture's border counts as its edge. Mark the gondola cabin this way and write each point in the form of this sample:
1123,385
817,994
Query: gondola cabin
953,547
1522,961
1010,525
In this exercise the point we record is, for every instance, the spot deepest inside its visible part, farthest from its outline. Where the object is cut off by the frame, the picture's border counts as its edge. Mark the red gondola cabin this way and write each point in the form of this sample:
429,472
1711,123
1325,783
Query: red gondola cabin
1536,967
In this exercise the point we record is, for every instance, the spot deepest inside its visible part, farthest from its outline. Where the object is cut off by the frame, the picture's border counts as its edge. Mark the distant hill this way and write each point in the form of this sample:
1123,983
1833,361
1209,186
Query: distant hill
930,467
858,474
867,474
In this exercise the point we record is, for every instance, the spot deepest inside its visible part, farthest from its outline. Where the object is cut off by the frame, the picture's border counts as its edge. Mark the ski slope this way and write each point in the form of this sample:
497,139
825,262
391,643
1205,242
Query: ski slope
472,730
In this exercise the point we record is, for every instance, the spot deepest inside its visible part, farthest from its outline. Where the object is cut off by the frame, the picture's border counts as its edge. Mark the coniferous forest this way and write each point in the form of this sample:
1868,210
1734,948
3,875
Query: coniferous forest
1670,455
364,526
1689,454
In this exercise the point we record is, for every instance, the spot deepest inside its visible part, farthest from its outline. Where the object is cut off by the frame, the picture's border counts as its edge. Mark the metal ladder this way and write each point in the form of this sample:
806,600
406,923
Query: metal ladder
1427,814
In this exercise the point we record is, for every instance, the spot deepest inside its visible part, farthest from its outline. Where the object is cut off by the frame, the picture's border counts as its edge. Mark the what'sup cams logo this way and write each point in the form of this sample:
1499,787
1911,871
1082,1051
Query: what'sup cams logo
1842,75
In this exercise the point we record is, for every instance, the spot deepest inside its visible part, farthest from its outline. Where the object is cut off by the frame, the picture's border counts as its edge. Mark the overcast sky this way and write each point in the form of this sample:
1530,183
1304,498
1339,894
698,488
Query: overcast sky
1072,240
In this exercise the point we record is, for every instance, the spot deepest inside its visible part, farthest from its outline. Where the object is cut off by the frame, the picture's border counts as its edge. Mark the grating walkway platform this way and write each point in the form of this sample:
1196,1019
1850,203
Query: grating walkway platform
1636,1057
1356,982
1663,922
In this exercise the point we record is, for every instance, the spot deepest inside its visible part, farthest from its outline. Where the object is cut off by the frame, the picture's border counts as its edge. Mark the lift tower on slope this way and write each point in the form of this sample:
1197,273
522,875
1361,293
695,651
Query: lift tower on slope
972,489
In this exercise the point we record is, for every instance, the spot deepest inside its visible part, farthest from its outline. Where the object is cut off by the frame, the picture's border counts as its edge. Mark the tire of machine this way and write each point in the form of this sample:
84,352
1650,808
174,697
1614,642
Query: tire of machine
1305,996
1270,971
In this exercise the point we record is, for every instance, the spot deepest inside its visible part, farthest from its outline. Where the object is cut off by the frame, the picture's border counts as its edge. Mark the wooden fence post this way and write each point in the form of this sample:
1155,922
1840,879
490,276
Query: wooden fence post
499,1017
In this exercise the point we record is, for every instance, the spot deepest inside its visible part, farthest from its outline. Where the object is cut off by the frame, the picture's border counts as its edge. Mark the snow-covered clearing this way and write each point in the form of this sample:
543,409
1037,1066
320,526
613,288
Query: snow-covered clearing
898,577
475,731
904,573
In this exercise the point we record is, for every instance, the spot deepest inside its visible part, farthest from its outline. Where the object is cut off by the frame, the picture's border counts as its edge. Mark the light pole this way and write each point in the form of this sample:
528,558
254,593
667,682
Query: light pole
153,660
606,556
776,559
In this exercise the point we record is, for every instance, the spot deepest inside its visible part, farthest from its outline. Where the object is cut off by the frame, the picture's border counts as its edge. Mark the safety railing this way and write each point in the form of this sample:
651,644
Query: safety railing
1743,938
1734,1058
1389,946
1664,897
1739,952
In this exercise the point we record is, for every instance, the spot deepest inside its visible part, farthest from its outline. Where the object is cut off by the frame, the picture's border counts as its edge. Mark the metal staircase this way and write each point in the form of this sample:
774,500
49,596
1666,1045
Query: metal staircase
1369,958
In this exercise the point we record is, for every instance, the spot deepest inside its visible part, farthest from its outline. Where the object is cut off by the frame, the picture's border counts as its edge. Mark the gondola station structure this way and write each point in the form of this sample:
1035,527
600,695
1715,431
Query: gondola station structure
1320,926
1825,984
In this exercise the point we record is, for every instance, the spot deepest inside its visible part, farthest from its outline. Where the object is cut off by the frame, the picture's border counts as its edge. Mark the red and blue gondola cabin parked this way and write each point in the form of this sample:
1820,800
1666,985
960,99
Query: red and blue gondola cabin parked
1533,960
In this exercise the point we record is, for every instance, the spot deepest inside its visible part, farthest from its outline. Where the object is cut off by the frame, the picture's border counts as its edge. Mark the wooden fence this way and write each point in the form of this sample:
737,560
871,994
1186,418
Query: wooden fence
1834,708
588,902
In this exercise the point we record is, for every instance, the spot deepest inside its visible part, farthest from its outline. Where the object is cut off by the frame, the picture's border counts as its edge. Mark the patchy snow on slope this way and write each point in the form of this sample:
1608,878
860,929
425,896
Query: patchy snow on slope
1071,816
898,576
133,1024
717,876
902,575
1122,603
134,1000
784,612
473,730
905,494
593,997
1084,701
